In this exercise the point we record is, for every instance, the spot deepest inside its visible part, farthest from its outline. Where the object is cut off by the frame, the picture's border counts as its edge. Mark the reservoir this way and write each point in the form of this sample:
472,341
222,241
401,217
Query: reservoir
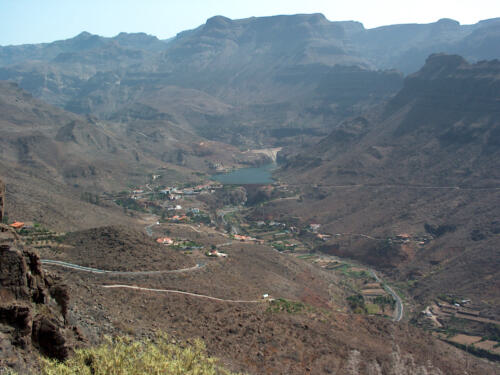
248,176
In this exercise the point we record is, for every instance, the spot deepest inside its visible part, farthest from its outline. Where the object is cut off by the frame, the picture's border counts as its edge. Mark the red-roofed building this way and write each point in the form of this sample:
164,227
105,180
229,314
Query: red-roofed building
165,240
17,225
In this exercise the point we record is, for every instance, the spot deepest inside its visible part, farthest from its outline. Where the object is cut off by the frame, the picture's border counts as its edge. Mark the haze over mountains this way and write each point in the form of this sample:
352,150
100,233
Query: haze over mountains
243,77
382,132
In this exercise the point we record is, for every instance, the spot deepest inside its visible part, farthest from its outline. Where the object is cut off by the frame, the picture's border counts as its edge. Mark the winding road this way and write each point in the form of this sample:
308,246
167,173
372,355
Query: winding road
99,271
398,313
179,292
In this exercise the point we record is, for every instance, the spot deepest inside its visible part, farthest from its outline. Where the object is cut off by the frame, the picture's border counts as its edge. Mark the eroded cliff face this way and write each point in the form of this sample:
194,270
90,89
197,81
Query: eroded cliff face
33,308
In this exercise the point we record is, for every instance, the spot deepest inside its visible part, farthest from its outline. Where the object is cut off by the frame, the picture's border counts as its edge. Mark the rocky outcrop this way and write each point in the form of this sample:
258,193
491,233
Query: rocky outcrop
33,308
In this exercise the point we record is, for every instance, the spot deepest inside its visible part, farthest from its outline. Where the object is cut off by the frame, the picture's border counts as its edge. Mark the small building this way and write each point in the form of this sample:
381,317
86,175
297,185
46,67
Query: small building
324,237
179,218
17,225
404,237
314,227
216,253
165,240
243,238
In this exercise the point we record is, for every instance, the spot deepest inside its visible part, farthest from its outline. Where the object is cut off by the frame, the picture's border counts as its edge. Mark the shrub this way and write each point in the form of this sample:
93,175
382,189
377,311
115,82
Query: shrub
284,305
357,303
124,356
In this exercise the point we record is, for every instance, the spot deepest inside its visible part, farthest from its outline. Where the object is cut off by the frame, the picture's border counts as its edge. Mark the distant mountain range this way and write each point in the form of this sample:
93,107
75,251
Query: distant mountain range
242,80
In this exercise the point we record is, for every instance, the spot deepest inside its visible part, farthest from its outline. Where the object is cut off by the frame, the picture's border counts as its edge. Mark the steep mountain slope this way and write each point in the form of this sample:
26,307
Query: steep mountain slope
33,310
216,66
58,143
305,333
427,164
299,72
441,128
49,157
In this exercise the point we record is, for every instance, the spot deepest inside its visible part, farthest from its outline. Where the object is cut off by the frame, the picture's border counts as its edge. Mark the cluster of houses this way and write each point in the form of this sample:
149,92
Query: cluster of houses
272,223
173,193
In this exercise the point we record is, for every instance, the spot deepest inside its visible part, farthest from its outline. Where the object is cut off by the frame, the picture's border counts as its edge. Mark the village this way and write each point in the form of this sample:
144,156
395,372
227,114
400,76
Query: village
175,216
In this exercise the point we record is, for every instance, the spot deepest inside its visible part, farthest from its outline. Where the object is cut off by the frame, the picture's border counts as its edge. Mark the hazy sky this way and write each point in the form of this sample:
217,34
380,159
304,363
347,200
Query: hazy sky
35,21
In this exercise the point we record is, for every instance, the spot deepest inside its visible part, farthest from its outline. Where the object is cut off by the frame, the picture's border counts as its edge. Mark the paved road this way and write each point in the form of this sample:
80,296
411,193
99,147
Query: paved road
180,292
493,188
398,313
99,271
361,235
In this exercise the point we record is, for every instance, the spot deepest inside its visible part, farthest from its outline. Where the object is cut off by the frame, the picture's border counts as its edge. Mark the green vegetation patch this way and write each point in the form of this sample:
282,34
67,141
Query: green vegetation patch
492,333
125,356
383,301
372,308
345,268
357,303
305,256
284,305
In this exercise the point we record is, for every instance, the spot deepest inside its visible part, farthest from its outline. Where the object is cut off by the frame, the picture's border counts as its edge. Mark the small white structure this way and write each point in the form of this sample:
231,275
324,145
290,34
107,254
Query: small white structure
314,227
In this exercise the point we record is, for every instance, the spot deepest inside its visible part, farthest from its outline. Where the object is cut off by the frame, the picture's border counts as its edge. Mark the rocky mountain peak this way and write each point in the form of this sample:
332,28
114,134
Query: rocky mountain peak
84,35
440,63
448,23
217,22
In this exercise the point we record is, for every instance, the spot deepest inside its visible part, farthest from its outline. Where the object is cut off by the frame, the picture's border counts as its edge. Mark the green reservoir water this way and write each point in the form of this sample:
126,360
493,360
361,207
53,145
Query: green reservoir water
246,176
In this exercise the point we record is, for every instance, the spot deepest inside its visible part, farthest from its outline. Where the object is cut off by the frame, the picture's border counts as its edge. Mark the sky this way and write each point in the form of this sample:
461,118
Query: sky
37,21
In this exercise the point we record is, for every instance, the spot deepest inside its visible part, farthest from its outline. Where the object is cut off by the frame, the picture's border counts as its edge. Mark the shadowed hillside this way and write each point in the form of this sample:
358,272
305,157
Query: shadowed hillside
428,160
